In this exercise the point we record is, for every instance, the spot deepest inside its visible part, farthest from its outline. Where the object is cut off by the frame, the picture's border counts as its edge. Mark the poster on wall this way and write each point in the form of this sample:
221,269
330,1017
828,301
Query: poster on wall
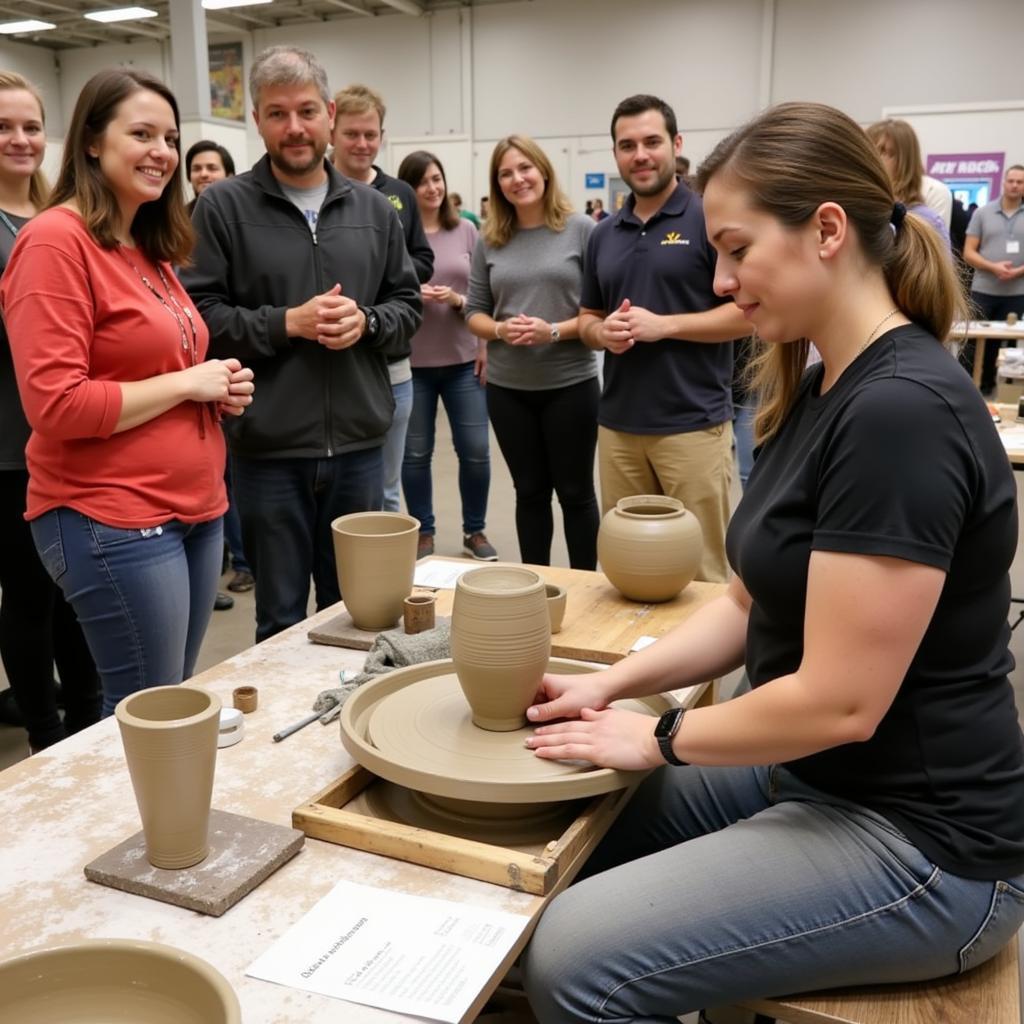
227,90
971,177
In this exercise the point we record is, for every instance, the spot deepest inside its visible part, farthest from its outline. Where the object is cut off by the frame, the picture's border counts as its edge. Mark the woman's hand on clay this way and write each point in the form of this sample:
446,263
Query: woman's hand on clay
566,696
610,738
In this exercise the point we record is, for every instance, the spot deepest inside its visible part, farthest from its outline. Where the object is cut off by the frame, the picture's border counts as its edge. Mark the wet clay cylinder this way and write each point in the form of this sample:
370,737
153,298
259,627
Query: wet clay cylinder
649,547
169,735
376,558
501,643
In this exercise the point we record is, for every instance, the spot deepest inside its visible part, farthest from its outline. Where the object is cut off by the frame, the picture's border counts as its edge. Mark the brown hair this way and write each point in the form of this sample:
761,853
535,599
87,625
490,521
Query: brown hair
791,159
500,225
38,186
908,169
161,228
411,171
359,99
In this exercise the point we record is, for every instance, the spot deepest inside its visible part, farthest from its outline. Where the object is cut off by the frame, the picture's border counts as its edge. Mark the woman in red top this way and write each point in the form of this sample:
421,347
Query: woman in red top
125,460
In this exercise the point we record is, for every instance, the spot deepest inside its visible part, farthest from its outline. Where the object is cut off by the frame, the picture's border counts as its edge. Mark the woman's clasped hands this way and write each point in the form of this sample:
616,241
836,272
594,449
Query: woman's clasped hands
223,381
584,728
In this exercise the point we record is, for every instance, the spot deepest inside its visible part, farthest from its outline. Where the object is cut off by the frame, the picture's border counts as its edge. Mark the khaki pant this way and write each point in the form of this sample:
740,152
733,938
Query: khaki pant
695,467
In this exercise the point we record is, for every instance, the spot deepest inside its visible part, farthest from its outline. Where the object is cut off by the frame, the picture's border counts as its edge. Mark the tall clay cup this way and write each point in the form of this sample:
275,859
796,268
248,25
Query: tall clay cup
376,558
170,743
501,643
649,547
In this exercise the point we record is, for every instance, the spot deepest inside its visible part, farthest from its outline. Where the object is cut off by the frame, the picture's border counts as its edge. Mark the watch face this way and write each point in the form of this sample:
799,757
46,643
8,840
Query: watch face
372,323
668,724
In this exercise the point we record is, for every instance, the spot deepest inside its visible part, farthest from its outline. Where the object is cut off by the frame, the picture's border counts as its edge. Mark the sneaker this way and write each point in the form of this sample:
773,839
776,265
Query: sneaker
477,546
222,602
241,582
425,545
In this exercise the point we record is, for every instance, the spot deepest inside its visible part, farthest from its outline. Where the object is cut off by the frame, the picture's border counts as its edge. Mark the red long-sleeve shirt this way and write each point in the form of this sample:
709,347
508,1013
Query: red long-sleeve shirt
80,321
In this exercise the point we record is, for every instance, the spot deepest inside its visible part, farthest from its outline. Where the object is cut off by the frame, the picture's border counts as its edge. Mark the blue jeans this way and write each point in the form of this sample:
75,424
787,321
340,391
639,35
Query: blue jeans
233,528
143,597
286,507
718,885
465,402
394,445
743,432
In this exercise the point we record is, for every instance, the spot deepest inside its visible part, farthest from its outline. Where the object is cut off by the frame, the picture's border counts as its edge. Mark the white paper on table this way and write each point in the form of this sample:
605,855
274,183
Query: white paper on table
642,642
440,575
413,954
1012,437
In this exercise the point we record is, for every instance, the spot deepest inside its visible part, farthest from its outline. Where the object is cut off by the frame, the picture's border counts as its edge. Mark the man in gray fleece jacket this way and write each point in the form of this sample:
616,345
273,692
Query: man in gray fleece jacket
306,278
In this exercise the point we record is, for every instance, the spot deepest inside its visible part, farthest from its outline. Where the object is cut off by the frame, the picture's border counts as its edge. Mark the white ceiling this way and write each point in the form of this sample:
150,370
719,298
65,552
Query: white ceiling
73,30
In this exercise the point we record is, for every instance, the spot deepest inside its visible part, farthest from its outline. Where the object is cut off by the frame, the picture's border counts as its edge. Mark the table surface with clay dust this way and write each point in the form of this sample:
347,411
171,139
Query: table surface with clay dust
72,802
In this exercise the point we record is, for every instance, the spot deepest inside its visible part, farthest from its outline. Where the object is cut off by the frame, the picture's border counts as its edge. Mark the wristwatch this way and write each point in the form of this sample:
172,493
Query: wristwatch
372,321
665,731
556,334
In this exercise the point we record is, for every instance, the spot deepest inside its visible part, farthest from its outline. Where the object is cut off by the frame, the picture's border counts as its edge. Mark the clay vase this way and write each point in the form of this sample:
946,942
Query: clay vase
501,643
375,554
649,547
170,743
556,604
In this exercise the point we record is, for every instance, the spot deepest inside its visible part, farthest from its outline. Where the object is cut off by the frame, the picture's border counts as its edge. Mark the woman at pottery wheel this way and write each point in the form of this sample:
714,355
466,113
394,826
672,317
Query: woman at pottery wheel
125,459
858,816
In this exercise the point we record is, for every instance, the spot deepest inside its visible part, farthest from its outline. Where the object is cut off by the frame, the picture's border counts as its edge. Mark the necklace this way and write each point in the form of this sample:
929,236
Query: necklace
871,337
173,307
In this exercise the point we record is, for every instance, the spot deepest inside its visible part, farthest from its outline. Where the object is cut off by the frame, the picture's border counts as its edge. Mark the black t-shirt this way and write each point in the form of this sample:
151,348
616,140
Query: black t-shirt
666,265
900,458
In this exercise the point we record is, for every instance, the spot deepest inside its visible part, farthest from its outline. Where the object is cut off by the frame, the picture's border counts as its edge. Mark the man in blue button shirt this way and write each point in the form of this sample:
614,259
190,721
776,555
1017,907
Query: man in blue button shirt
666,410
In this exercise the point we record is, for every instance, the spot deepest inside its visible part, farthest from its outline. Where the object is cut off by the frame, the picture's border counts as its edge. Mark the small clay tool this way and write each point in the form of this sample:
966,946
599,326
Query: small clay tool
295,727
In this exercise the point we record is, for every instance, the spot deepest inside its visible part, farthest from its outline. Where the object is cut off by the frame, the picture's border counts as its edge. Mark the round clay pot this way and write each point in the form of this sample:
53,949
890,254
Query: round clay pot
169,735
556,604
649,547
501,643
376,557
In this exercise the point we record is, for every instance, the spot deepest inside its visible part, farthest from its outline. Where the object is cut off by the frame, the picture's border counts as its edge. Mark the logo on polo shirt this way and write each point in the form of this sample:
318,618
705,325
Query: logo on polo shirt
674,238
396,202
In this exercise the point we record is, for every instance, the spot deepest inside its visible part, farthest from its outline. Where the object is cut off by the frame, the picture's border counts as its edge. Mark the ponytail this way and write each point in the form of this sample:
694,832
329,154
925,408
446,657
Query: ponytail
922,278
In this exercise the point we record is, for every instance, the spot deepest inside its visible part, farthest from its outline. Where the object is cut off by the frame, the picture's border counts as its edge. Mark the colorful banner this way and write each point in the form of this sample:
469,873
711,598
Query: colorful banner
227,89
971,177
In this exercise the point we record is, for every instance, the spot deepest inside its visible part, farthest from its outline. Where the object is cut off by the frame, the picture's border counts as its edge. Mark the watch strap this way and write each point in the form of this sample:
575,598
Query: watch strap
665,738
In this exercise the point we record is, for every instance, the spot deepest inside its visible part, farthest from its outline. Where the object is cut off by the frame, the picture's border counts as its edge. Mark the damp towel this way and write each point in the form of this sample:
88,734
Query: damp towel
394,648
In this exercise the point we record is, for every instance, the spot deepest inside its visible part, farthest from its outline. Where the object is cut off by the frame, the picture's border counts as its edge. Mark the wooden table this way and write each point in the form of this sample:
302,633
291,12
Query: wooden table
982,332
72,802
599,625
1009,421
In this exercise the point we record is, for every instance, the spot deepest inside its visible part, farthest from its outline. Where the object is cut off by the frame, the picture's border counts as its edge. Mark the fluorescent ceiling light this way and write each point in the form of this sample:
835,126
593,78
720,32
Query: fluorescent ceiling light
121,14
223,5
9,28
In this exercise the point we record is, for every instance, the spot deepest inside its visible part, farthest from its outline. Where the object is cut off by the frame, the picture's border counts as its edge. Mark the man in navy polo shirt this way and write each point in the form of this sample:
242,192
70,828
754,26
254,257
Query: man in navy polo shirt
666,410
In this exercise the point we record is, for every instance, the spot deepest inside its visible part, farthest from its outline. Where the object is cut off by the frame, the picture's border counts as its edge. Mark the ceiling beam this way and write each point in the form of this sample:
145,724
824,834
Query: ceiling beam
406,6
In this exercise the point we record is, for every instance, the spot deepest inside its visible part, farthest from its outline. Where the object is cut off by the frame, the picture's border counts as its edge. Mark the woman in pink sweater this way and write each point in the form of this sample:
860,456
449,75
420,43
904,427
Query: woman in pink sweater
125,460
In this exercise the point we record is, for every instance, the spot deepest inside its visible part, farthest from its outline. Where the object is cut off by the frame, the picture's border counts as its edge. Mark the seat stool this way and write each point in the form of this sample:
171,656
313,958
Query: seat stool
988,994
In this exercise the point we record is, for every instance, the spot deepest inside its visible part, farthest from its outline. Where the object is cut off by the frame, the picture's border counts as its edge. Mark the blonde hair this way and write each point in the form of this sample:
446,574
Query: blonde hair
38,186
501,223
359,99
791,159
908,166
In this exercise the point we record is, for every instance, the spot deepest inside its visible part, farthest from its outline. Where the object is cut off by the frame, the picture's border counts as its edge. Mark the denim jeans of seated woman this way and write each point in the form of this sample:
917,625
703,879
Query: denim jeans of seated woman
465,403
723,884
143,596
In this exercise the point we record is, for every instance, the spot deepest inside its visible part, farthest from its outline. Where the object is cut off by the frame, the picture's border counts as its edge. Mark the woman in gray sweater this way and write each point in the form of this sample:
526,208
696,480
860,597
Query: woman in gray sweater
542,389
